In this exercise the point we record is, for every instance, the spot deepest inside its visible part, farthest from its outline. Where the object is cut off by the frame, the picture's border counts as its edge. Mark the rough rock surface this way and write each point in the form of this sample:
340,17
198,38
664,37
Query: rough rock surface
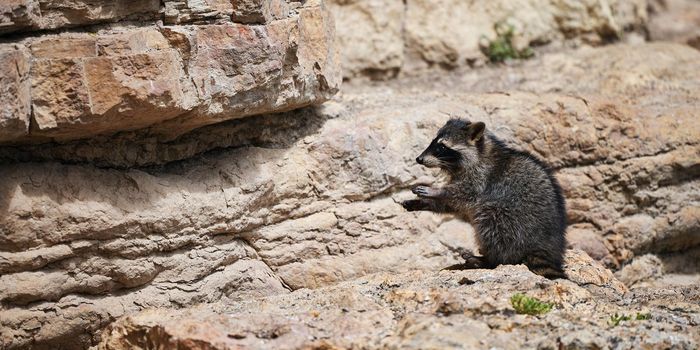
675,20
30,15
264,205
431,310
172,79
407,36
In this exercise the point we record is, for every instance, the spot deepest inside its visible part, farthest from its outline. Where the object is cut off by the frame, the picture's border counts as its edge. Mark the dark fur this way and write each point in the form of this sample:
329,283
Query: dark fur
510,197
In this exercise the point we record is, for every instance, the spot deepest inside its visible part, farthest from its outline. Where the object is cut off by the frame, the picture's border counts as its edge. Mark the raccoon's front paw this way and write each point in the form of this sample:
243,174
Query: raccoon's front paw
412,204
422,191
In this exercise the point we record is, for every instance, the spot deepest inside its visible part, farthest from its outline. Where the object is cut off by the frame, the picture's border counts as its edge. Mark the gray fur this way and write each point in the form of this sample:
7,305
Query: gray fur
510,197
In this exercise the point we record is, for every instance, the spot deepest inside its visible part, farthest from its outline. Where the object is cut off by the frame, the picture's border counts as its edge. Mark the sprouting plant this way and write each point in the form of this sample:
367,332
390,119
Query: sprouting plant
642,317
524,304
616,319
501,48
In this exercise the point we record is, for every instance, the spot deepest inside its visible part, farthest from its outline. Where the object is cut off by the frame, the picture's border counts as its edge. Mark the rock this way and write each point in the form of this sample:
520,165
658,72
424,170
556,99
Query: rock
641,269
173,79
382,39
259,11
584,237
416,310
184,11
94,230
583,270
28,15
14,92
371,35
675,20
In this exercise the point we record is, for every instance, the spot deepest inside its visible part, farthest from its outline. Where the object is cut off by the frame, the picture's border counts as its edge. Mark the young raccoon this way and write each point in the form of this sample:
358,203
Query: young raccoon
510,197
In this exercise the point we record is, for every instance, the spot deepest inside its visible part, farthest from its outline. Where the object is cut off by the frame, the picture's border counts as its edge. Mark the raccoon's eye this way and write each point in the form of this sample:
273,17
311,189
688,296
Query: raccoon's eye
441,148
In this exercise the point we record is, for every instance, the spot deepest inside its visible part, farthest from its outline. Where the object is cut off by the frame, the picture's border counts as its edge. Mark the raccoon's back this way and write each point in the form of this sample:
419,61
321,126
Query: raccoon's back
523,194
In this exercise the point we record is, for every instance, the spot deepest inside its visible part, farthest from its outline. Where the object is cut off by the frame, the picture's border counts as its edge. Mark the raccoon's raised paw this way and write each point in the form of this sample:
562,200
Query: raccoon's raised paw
425,192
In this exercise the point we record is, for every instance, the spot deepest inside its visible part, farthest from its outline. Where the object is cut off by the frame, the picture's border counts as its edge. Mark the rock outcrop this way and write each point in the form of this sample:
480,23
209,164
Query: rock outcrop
675,20
221,62
432,310
262,206
395,36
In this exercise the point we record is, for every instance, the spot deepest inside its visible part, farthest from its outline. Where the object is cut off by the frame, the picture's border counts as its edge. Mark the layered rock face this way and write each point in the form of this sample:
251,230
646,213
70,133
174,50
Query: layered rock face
395,36
155,156
222,61
273,204
430,310
675,20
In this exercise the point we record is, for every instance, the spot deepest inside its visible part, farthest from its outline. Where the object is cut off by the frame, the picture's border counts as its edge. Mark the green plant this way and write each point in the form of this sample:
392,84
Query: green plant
642,317
616,319
501,48
524,304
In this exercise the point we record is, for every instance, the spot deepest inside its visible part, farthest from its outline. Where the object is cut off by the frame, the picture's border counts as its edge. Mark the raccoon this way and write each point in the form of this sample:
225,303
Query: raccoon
511,198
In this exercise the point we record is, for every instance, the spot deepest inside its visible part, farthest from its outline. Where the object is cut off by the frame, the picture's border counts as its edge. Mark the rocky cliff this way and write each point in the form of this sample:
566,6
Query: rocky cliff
409,36
143,167
190,65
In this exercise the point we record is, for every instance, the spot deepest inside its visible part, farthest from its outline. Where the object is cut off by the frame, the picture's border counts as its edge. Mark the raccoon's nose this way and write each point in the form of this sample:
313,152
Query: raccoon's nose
419,160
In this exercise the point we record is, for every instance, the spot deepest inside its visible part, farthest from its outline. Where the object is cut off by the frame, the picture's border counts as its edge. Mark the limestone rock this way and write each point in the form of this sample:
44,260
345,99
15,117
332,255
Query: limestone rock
14,92
675,20
24,15
309,198
179,78
643,268
186,11
259,11
370,33
383,38
416,310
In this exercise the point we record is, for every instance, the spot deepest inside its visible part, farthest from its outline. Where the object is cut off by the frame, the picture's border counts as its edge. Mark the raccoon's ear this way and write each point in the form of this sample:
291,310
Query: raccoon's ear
475,131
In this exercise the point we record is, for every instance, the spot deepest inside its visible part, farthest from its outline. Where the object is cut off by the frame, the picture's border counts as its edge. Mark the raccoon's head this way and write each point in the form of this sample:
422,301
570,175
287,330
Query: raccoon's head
456,145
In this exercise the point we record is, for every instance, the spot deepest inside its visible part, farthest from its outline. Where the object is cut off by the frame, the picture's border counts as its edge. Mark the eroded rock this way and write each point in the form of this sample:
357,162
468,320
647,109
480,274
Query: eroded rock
15,95
394,36
418,310
179,77
306,199
29,15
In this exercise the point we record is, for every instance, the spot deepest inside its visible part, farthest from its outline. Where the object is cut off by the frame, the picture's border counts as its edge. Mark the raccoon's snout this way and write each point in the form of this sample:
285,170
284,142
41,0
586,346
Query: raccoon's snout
419,160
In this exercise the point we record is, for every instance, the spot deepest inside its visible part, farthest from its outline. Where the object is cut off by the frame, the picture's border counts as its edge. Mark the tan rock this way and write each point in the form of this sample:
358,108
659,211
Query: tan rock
259,11
69,47
415,310
15,95
77,98
450,33
187,11
18,15
59,92
644,268
675,20
180,78
23,15
309,199
370,33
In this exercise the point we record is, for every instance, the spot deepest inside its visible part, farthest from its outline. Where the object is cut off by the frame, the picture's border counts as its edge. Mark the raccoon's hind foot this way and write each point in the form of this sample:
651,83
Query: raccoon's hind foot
549,272
545,268
471,261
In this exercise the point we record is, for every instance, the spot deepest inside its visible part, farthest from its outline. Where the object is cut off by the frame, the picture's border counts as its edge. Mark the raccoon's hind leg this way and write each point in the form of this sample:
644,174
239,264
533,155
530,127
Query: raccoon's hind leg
544,266
471,261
